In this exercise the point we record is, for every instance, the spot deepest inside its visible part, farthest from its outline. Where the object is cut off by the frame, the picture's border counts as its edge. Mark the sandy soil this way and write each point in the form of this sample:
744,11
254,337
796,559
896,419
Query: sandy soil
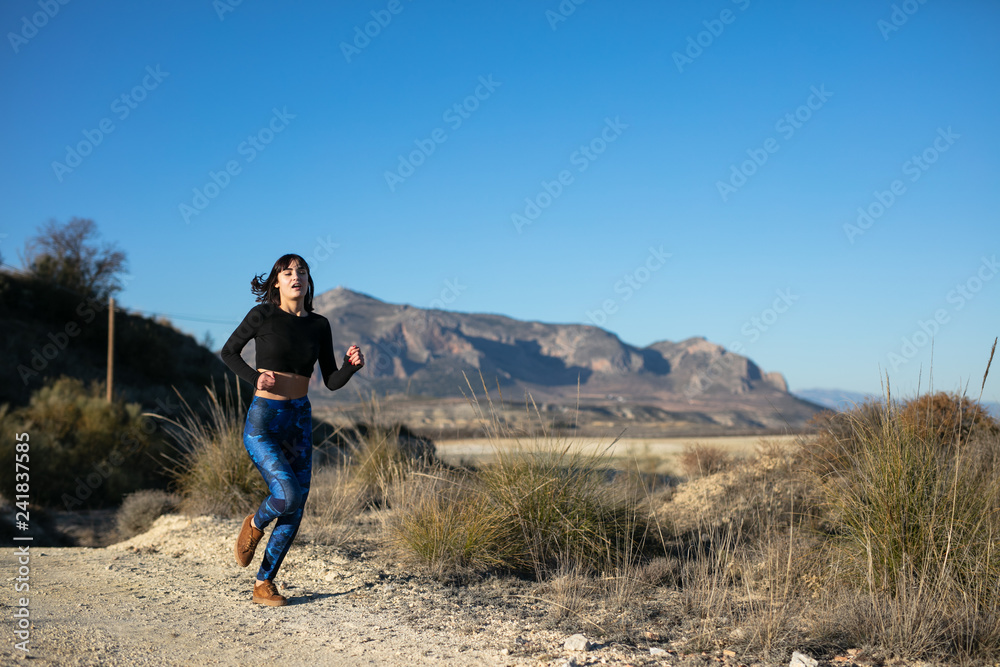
664,452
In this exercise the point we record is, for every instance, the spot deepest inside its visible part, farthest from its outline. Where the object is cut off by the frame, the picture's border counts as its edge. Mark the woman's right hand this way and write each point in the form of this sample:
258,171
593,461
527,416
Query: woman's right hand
265,381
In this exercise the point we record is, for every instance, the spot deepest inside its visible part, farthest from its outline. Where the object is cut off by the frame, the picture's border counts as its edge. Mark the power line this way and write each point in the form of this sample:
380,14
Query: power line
194,318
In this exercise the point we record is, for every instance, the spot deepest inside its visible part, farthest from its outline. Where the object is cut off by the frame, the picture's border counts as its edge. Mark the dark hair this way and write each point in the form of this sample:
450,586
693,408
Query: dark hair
265,290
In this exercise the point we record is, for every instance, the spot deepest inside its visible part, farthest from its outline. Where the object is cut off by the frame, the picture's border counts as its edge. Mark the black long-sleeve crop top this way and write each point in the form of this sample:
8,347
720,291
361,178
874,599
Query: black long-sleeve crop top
286,343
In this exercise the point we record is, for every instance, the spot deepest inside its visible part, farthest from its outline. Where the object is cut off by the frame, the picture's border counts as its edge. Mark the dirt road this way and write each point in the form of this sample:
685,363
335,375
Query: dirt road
175,596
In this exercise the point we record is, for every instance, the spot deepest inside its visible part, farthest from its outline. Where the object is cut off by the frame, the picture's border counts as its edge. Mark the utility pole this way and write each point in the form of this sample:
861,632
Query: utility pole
111,343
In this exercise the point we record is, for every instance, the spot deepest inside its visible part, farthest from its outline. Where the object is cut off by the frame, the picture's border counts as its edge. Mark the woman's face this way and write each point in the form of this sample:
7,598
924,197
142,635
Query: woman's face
293,282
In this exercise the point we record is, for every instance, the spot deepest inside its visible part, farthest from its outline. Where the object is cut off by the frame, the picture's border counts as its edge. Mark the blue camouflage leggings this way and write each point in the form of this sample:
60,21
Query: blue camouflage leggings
278,437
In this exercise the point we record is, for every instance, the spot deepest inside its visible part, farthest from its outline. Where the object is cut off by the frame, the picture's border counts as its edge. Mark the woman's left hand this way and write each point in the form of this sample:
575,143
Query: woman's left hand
355,356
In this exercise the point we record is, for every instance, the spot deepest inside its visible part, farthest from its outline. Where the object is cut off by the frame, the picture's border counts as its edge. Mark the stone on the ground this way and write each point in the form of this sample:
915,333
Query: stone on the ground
655,650
802,660
577,643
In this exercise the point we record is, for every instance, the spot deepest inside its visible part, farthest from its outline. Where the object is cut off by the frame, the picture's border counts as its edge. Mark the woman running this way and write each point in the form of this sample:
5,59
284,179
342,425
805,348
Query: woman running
278,431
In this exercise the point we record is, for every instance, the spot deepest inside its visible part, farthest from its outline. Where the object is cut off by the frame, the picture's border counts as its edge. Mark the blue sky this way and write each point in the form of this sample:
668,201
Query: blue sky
665,170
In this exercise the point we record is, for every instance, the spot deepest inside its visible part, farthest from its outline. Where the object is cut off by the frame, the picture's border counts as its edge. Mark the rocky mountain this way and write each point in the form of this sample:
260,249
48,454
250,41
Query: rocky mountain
420,352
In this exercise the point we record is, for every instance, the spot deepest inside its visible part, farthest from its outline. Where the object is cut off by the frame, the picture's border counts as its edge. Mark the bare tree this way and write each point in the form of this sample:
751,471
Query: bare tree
68,256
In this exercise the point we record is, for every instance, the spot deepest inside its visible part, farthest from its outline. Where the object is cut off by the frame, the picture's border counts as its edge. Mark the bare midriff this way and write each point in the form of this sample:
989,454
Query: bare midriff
286,386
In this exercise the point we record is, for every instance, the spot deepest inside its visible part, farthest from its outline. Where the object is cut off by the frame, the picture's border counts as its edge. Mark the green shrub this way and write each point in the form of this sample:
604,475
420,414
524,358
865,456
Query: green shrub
561,510
915,515
441,519
84,451
532,512
536,509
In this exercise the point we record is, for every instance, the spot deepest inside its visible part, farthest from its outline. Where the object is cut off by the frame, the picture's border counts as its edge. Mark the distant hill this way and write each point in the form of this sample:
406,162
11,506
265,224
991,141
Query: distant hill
842,400
422,353
49,332
835,399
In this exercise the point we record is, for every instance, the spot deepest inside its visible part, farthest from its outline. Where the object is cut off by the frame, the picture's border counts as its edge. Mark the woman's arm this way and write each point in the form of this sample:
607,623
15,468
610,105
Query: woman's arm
237,341
333,377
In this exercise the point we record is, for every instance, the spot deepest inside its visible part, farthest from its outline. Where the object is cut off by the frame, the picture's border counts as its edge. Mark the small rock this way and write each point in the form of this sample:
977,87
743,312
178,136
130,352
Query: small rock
577,643
565,662
657,651
652,636
729,654
802,660
505,651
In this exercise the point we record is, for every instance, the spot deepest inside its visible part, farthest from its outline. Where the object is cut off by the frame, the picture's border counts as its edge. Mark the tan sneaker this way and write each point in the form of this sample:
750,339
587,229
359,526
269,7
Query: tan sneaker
267,593
246,542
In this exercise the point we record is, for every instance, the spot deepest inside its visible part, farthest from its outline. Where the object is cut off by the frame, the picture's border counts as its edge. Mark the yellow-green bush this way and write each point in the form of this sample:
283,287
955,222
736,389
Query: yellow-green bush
913,502
84,451
534,512
538,509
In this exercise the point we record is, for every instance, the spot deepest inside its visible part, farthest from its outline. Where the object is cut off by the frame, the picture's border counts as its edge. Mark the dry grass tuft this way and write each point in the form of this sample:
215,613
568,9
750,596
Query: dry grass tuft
912,498
334,503
212,471
700,460
543,508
